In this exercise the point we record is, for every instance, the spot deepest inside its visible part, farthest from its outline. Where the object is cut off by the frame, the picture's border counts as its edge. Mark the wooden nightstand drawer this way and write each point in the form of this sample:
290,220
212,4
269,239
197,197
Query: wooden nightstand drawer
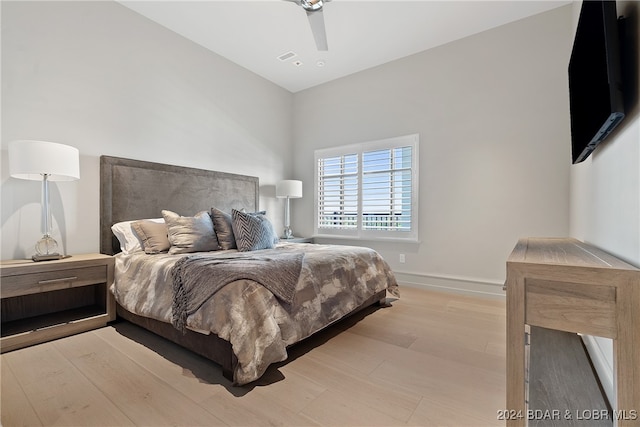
32,283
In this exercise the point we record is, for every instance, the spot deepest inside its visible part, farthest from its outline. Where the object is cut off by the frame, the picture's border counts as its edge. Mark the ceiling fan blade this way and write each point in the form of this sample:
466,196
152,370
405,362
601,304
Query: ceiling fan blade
316,20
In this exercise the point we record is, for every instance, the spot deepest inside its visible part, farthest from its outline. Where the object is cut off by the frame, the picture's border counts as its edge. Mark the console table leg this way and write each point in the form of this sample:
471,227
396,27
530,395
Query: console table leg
516,407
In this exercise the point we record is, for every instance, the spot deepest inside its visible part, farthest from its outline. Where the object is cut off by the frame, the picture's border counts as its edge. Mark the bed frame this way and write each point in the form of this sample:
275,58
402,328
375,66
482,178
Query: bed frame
134,189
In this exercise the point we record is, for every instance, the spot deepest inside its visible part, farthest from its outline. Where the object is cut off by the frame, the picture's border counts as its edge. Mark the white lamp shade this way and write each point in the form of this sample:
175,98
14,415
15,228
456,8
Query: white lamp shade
289,188
32,159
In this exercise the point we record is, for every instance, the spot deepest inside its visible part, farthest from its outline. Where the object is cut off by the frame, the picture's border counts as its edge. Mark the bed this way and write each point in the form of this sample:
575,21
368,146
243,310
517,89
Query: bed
227,303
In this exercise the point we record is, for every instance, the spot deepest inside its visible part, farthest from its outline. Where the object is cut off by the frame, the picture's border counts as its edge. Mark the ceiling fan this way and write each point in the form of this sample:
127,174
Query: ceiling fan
316,20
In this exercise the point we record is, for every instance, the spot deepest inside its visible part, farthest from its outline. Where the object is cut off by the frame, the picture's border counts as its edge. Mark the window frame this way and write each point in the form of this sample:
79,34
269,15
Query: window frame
358,233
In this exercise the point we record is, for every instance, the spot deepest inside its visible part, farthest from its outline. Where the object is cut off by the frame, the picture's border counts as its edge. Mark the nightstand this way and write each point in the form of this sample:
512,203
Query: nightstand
298,240
43,301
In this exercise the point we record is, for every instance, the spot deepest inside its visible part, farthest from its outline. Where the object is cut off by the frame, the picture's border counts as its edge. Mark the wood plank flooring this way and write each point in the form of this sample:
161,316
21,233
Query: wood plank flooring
432,359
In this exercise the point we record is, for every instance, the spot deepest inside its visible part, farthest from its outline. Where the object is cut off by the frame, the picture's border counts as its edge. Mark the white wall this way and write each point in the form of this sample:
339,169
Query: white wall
493,117
98,76
605,188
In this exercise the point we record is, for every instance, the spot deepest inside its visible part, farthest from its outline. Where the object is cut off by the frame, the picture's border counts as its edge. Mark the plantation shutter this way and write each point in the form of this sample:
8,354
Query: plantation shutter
386,189
338,192
368,190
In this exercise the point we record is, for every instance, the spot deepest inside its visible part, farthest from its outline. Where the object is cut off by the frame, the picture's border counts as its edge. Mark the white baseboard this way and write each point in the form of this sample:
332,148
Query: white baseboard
456,284
603,366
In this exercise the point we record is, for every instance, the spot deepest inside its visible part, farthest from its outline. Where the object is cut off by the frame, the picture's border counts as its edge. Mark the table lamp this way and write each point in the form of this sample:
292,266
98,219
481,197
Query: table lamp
289,189
46,161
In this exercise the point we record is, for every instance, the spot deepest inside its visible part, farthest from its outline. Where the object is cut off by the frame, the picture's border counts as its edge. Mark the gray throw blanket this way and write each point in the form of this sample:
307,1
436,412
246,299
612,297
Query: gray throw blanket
196,278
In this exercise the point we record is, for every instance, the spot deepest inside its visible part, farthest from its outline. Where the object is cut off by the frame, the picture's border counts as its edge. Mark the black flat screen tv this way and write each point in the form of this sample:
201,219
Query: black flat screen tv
595,83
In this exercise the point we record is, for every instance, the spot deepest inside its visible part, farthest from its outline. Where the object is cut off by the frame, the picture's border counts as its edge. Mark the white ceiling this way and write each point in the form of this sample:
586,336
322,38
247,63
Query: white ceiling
361,33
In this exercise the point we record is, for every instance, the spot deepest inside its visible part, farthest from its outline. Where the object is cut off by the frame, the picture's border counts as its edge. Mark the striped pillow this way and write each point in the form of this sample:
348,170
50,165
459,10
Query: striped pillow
252,231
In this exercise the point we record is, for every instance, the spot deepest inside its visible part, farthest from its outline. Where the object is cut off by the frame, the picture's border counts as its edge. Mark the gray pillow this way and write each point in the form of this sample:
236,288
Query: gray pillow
190,233
153,236
223,228
252,231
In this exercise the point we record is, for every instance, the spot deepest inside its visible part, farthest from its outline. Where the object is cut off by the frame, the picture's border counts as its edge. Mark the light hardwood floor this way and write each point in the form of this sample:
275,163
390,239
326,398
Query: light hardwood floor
432,359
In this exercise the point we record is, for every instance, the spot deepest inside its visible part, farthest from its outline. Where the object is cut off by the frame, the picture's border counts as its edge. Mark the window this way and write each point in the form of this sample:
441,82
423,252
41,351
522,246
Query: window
368,190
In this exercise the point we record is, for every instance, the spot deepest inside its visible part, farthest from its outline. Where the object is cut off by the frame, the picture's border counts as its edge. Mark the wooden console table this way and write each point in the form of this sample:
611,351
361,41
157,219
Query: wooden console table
567,285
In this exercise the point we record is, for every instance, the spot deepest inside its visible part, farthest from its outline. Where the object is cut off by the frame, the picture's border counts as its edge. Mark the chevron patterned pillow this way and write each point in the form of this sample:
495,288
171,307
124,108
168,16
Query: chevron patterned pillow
252,231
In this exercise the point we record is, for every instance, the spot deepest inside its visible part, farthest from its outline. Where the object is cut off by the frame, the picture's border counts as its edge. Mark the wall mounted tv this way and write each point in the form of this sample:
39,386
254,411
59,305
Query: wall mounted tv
595,83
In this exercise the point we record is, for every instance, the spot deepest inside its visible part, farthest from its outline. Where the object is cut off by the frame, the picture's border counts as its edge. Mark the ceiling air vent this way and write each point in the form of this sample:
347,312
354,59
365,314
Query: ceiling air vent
286,56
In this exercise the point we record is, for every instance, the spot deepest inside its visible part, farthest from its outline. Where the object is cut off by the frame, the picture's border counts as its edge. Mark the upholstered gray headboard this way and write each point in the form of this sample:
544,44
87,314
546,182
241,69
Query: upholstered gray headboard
134,189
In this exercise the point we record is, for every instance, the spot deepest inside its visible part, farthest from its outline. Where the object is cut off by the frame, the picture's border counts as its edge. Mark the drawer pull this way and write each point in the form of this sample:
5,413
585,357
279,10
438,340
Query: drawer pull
62,279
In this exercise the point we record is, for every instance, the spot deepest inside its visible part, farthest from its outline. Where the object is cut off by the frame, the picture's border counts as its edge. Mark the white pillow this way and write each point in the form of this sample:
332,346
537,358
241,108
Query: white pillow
129,240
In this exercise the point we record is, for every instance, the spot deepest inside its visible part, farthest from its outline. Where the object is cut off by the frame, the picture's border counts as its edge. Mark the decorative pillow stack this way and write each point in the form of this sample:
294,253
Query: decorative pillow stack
202,232
190,234
252,231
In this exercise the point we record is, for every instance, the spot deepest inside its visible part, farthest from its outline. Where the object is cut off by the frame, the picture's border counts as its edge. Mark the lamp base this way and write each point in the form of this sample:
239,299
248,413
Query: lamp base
47,245
288,233
49,257
47,249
